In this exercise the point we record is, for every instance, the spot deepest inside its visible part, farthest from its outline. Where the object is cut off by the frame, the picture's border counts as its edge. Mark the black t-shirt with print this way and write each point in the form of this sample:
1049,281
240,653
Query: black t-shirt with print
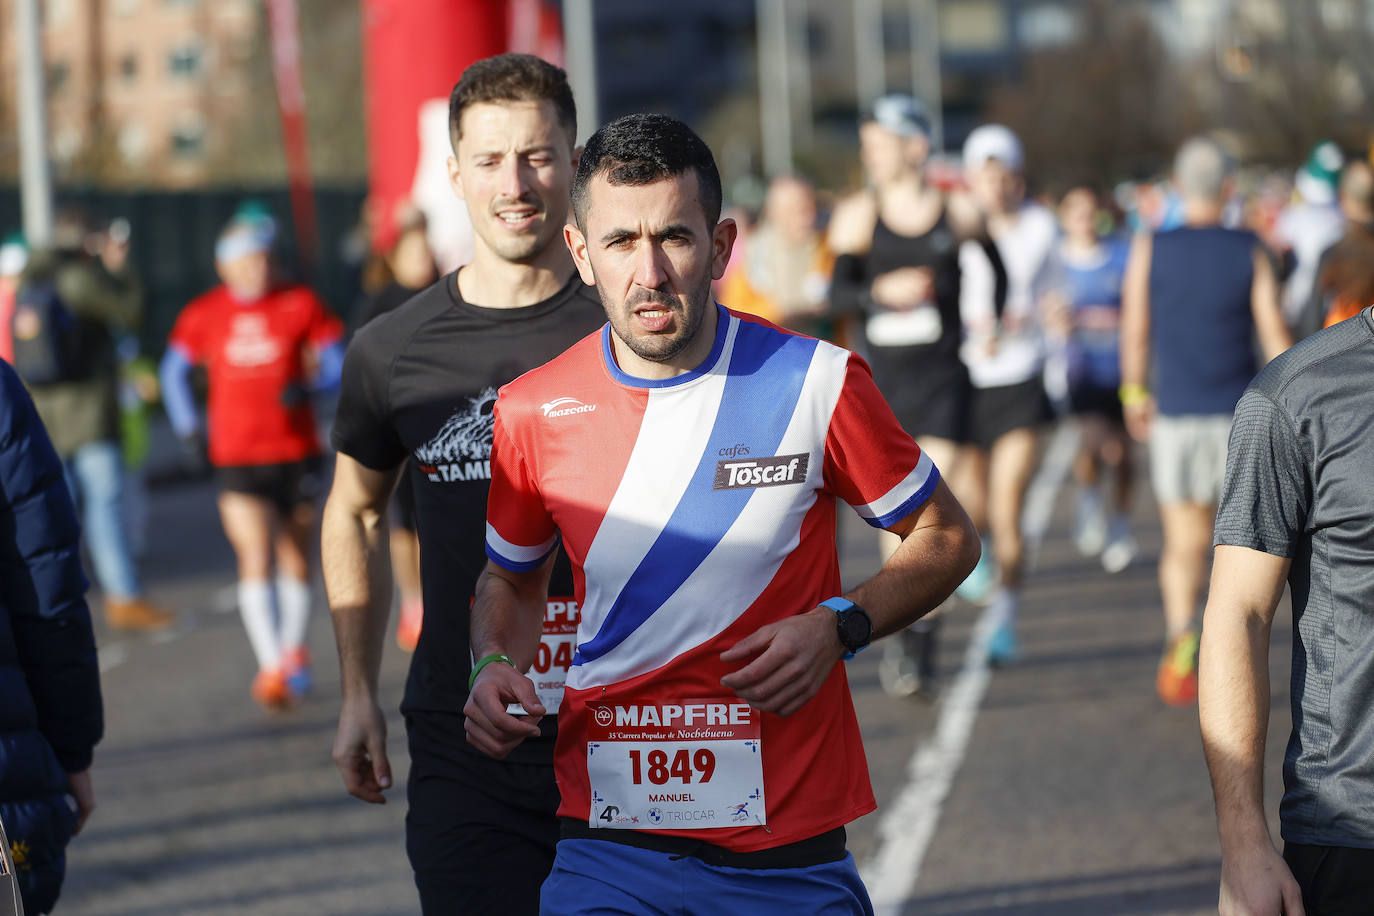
421,382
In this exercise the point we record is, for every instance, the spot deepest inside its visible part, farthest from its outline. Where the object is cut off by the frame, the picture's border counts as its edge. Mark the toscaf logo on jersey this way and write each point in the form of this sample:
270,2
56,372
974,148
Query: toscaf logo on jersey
562,407
749,473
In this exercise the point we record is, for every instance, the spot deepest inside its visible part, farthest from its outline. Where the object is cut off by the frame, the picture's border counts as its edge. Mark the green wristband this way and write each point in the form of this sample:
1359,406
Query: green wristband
483,662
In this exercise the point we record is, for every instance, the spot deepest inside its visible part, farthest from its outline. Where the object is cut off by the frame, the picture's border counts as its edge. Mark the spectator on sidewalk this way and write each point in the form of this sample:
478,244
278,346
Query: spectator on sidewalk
50,707
81,412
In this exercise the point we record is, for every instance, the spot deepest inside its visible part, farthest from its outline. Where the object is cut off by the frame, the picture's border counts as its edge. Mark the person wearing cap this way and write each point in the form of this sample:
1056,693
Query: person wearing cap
266,348
1345,273
896,247
1003,348
14,255
81,411
1311,223
1192,302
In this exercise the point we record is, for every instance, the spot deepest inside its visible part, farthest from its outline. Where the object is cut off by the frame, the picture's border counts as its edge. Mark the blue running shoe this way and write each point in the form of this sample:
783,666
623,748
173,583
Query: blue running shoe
978,586
296,665
1002,648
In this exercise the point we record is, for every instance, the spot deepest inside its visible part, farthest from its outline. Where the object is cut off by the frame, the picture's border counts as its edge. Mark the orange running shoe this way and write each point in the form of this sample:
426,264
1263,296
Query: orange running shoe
1176,681
408,626
270,690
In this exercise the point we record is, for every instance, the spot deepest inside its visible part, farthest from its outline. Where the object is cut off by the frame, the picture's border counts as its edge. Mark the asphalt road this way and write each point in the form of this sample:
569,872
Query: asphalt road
1058,785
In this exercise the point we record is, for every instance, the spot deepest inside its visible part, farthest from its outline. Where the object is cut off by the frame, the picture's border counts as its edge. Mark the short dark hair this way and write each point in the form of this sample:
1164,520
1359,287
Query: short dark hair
512,78
641,149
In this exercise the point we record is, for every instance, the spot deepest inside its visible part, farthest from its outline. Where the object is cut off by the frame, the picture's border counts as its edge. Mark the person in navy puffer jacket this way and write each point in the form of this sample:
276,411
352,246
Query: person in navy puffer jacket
50,707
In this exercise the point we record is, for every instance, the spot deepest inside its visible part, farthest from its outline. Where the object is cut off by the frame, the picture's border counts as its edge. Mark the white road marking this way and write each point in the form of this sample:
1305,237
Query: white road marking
909,825
1044,488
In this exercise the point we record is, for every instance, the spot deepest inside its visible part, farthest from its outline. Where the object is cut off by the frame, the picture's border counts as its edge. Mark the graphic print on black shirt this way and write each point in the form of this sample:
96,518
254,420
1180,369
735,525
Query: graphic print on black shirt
421,382
462,448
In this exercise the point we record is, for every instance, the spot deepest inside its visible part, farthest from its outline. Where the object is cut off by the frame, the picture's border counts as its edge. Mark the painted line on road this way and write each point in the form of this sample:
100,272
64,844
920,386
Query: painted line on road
1044,488
908,827
909,824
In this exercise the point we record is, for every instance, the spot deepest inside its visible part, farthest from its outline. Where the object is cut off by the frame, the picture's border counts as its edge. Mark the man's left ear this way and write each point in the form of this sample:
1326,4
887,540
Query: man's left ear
722,242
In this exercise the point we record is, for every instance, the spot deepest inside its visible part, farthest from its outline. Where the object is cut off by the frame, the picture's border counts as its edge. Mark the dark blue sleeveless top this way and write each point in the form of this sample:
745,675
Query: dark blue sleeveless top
1201,328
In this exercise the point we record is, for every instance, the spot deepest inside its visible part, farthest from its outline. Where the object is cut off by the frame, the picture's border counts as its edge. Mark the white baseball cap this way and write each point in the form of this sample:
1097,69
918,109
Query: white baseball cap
994,141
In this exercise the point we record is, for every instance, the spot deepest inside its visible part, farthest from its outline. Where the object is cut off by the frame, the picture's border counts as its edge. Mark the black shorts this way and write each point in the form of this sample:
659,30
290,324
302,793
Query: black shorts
929,393
994,412
1097,401
285,486
473,822
1335,880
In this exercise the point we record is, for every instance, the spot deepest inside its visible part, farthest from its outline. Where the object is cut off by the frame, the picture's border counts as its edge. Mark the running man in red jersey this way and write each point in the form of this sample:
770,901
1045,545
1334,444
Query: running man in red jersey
265,347
690,459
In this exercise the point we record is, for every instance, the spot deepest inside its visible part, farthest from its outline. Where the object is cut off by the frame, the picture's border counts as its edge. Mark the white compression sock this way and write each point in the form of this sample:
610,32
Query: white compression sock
293,597
255,606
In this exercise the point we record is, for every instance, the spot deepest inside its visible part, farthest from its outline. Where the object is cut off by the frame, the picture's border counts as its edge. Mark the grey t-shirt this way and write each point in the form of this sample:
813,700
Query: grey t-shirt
1300,484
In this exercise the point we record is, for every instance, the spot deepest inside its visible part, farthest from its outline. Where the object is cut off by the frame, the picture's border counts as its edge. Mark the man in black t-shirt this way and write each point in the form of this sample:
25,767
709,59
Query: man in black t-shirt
1297,505
420,382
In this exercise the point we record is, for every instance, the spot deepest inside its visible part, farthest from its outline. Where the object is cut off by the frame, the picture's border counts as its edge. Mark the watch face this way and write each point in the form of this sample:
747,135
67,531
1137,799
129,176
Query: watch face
855,628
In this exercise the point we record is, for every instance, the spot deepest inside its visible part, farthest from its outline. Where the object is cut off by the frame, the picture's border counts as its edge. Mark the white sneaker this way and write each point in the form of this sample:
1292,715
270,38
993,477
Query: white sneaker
1121,547
1090,523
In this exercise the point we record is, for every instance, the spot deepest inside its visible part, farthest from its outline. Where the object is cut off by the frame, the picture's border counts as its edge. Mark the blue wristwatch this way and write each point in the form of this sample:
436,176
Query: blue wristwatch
852,624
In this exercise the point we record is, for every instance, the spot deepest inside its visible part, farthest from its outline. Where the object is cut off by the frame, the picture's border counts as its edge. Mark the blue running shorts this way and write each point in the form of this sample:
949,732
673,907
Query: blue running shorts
603,878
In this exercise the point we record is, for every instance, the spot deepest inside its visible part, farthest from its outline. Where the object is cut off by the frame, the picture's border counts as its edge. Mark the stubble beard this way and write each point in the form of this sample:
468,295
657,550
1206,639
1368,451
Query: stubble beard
659,348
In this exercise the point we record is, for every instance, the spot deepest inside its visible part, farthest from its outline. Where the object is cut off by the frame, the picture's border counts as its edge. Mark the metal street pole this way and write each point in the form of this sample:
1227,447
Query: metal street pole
925,66
870,65
799,73
35,174
775,103
579,36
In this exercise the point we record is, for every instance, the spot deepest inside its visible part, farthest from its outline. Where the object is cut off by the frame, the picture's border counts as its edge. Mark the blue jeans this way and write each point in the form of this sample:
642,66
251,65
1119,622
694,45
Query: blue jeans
95,475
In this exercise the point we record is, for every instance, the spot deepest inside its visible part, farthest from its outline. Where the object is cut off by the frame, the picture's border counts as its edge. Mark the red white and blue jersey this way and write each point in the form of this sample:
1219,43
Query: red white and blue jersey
696,510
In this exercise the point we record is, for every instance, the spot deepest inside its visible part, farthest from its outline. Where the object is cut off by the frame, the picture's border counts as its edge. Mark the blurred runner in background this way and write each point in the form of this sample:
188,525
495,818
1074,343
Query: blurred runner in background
266,349
1194,299
785,277
1082,303
1310,224
897,268
410,265
1004,350
1345,275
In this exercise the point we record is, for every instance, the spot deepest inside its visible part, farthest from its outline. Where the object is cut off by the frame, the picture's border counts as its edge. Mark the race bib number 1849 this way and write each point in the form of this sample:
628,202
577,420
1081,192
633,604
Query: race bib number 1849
685,765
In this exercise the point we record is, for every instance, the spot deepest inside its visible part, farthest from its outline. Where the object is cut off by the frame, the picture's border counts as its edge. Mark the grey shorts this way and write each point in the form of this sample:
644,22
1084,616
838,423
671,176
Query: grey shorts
1188,457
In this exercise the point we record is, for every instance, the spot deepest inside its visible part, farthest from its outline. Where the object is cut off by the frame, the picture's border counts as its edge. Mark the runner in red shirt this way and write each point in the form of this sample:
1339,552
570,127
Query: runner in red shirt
265,348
